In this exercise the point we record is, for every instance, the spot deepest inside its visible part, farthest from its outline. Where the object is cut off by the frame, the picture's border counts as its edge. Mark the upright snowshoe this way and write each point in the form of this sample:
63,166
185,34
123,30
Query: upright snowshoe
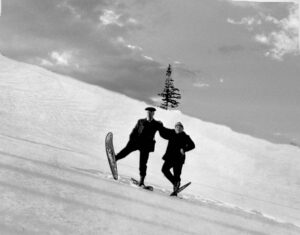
110,152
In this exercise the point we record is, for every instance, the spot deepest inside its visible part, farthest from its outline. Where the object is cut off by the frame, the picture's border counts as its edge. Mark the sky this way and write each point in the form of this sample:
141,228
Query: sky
235,63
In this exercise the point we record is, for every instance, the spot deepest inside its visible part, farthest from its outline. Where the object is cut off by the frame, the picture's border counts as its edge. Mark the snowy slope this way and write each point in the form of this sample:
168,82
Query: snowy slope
55,177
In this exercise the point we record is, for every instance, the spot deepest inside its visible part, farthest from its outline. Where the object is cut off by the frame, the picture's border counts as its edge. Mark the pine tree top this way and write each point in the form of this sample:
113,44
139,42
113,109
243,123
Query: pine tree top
170,94
169,71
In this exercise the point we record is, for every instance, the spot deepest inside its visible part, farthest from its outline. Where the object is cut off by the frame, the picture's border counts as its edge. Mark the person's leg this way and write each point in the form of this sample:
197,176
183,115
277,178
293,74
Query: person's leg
177,173
166,171
125,151
144,155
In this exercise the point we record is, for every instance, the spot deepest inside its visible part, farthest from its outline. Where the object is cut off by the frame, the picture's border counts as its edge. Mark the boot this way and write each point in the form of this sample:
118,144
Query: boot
142,181
176,186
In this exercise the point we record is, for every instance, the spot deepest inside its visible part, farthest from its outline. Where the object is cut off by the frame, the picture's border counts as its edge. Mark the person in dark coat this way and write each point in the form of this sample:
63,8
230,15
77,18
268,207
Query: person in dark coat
179,143
142,139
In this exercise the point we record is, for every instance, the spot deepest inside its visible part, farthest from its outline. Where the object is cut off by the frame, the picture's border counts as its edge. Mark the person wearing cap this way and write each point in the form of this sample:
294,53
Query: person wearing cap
142,138
178,144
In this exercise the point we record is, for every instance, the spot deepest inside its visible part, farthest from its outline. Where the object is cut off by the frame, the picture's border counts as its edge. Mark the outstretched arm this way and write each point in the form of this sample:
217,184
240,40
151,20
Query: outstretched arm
165,132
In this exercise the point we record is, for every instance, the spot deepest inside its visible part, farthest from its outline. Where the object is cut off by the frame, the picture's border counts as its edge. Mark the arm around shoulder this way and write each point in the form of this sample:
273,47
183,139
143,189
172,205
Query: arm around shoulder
165,132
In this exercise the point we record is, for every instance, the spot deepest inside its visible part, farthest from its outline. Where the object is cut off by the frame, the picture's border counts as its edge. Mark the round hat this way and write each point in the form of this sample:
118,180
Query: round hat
178,124
152,109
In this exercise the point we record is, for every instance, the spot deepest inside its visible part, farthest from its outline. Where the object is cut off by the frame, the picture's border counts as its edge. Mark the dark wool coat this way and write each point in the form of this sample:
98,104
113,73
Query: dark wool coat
176,142
143,134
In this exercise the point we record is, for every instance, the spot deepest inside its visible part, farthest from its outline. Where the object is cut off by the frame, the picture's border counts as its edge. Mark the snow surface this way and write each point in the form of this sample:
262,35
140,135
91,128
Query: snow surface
55,178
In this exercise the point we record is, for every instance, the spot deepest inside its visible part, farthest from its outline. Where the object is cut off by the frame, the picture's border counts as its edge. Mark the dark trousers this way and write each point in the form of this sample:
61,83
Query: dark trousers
177,168
144,155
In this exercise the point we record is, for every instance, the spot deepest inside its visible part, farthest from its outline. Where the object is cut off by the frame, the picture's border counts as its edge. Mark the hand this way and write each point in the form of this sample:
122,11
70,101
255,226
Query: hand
182,152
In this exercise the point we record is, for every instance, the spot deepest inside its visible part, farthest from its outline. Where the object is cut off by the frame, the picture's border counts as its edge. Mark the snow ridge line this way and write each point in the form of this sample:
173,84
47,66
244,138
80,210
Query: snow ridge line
190,197
250,197
43,144
222,206
234,193
85,205
251,212
102,192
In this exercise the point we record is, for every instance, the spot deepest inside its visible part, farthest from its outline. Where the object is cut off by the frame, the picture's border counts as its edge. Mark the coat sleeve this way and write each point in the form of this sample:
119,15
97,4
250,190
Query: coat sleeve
165,132
189,145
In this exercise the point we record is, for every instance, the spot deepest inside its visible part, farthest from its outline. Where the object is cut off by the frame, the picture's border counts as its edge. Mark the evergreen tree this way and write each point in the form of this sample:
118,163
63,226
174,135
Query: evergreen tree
170,94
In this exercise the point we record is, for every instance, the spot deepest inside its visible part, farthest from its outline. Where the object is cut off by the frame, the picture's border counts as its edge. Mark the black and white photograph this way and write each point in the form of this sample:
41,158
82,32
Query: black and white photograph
150,117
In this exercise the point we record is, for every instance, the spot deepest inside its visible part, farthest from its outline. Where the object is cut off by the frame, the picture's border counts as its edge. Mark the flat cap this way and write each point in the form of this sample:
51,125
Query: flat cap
150,109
